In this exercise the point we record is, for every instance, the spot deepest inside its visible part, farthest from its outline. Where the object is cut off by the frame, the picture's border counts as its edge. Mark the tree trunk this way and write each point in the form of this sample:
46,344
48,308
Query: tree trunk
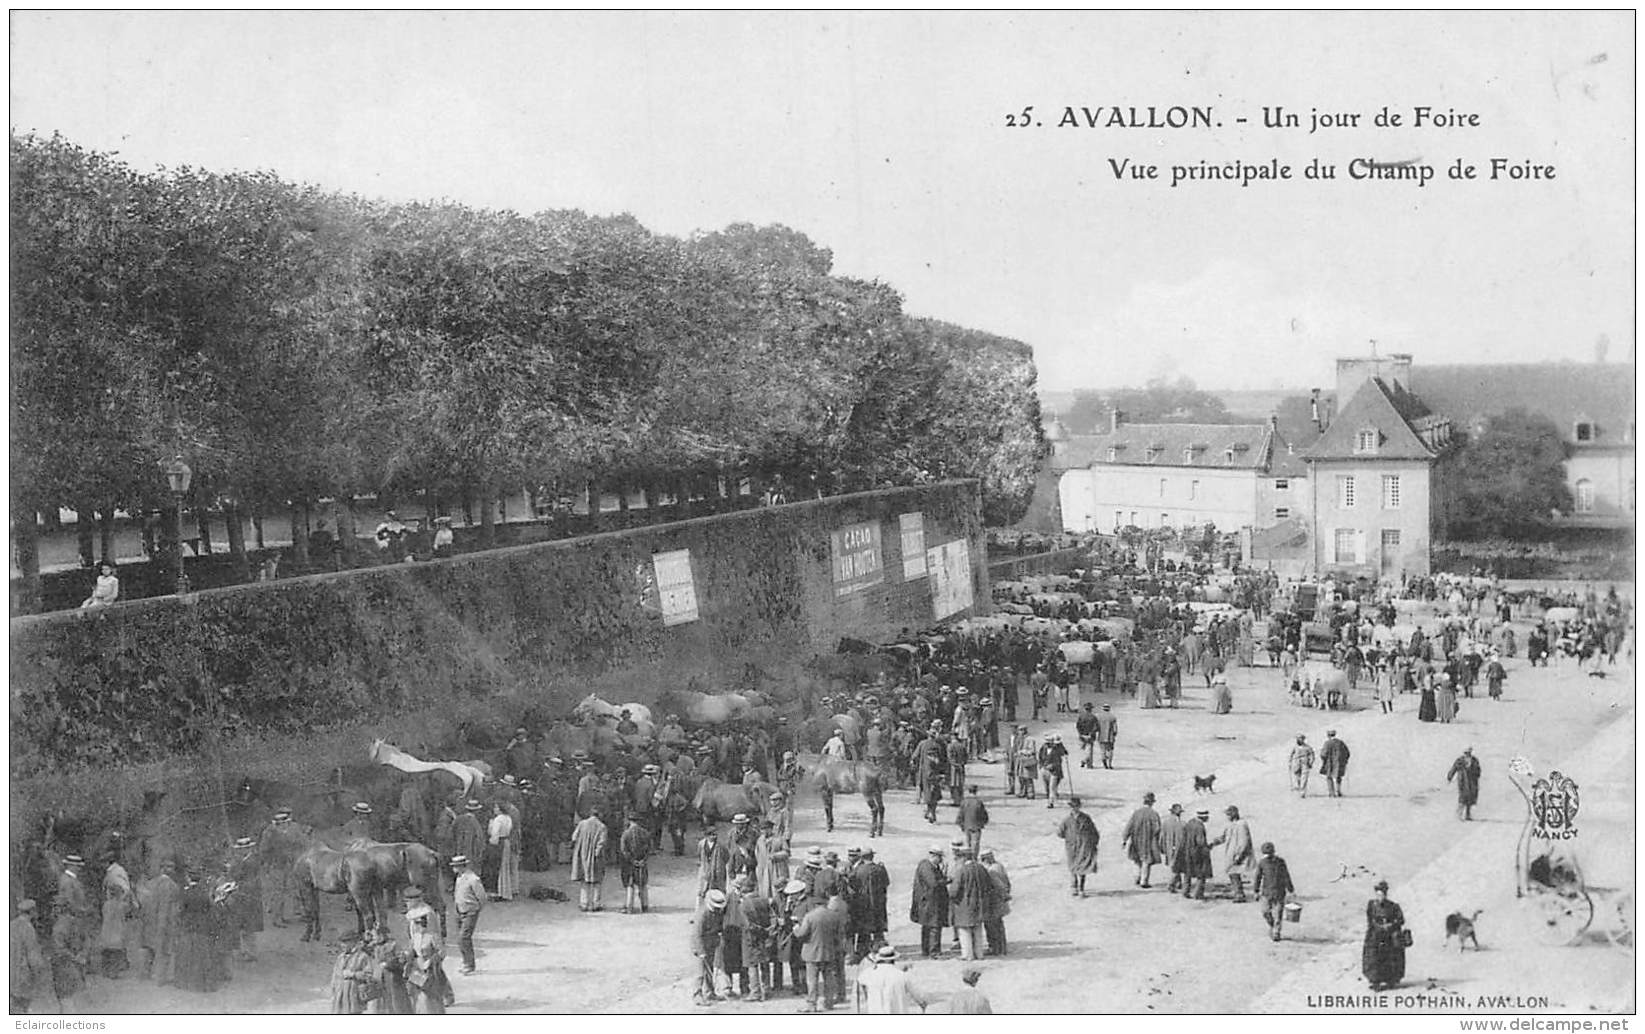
468,508
53,519
348,531
232,518
202,519
85,516
622,505
257,524
150,546
105,525
168,551
594,505
299,536
26,540
488,523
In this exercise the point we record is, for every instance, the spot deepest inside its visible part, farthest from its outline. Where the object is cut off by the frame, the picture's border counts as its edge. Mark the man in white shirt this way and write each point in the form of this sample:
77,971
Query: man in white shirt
469,898
886,988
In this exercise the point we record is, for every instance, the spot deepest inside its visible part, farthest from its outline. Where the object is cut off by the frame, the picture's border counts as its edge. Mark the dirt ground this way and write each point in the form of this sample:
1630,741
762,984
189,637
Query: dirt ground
1128,950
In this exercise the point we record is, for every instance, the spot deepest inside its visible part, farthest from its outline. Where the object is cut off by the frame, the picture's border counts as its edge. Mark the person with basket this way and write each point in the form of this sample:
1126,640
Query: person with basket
1382,958
1272,887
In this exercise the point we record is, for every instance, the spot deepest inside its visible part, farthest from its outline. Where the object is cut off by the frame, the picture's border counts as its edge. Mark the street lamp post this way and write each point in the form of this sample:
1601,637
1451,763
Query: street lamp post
178,476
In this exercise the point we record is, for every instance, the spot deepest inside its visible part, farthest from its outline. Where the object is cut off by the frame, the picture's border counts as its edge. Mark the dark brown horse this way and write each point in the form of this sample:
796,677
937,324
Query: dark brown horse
386,869
322,870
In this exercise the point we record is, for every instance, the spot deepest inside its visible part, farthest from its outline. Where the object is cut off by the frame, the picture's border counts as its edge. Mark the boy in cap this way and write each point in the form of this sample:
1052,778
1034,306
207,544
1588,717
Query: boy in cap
634,849
1273,883
970,1001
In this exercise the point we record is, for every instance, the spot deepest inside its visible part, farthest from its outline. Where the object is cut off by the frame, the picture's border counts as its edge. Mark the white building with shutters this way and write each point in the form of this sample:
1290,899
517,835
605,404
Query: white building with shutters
1375,474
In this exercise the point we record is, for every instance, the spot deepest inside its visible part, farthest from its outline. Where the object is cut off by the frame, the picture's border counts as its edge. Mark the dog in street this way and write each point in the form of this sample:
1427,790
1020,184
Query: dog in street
1462,928
1205,784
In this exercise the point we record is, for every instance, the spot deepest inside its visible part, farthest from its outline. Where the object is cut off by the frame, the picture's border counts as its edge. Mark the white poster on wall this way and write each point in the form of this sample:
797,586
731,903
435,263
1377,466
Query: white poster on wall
676,592
913,545
949,566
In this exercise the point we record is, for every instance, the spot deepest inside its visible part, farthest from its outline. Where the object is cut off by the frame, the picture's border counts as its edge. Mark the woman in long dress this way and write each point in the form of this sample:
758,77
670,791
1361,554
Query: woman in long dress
1427,711
350,976
425,978
1383,957
1445,697
197,921
119,905
389,964
1080,838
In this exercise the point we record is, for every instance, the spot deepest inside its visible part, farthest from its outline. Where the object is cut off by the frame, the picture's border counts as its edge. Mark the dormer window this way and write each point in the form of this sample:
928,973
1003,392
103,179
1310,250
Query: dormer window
1188,456
1154,453
1228,455
1366,441
1584,431
1113,454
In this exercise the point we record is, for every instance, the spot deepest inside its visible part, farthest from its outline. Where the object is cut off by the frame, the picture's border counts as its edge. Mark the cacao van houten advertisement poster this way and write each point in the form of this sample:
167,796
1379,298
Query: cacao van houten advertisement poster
1291,356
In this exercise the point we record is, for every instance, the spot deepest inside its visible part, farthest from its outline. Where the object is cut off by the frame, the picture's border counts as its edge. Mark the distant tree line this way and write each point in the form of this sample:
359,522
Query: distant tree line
295,344
1159,401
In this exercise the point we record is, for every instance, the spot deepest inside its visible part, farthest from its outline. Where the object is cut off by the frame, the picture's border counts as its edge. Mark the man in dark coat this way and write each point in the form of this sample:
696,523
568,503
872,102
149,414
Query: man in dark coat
1193,859
930,767
1465,773
1086,727
468,836
870,886
929,906
1142,839
1333,762
822,945
973,818
970,901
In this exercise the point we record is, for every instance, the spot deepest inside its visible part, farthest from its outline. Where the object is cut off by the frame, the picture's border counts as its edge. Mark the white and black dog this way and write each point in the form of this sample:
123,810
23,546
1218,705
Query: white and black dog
1462,928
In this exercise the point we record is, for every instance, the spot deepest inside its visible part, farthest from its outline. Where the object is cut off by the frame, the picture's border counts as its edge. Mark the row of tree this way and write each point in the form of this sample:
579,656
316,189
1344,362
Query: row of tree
295,344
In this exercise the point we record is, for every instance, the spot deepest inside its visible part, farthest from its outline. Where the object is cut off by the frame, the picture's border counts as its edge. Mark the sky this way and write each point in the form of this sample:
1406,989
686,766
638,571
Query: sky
884,137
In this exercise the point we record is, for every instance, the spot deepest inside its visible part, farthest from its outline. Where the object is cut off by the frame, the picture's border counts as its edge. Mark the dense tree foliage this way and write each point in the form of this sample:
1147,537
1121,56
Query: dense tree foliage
1509,480
296,344
1158,401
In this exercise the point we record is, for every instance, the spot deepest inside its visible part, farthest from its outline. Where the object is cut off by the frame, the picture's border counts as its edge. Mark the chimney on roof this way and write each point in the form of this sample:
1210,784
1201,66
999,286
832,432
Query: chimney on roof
1273,423
1314,411
1115,419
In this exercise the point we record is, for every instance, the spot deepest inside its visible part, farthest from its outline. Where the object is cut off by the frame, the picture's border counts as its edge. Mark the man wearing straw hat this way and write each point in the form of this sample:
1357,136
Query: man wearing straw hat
359,827
246,907
278,846
884,987
70,931
1272,885
469,899
707,930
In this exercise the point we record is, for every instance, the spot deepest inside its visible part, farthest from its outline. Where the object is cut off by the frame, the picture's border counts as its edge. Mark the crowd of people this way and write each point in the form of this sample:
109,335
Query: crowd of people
770,915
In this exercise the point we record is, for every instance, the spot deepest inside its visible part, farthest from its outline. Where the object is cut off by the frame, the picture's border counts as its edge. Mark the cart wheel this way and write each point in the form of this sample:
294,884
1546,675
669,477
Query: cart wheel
1621,928
1560,919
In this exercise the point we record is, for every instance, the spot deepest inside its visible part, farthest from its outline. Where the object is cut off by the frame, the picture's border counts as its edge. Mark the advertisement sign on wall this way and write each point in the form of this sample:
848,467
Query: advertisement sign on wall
676,592
949,566
857,561
913,545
